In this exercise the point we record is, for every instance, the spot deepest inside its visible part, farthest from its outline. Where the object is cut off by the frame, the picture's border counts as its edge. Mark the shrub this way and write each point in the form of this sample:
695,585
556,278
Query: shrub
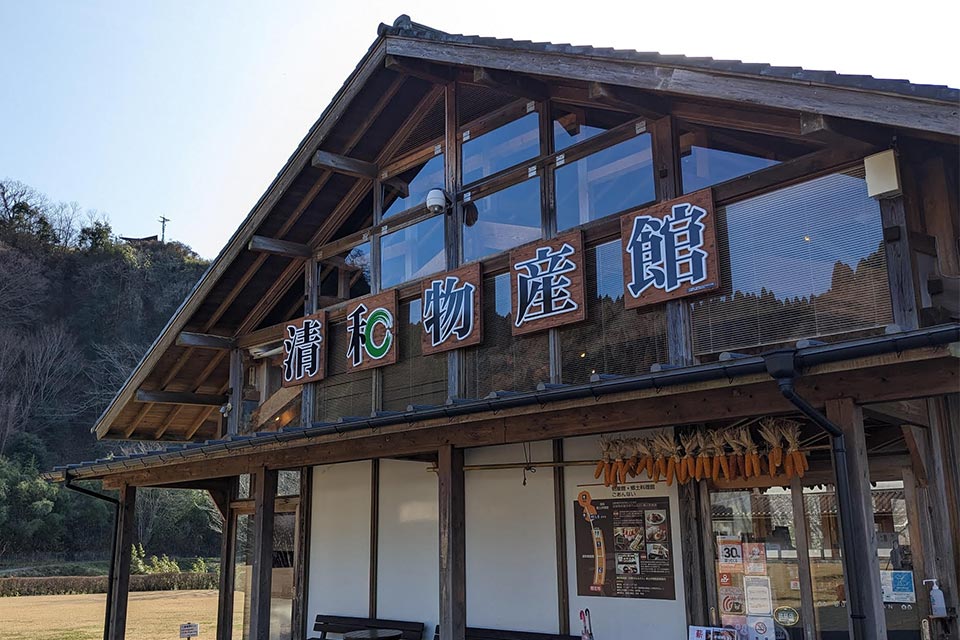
58,585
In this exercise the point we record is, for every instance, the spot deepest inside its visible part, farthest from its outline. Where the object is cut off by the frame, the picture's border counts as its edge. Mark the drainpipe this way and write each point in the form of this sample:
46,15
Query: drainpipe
68,483
781,365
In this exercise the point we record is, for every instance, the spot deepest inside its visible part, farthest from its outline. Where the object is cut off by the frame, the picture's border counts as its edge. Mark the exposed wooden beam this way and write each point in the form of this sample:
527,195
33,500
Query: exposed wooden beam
453,583
342,164
279,247
934,116
266,335
204,340
916,440
170,417
204,415
512,84
626,99
141,414
180,397
435,73
120,585
898,413
265,493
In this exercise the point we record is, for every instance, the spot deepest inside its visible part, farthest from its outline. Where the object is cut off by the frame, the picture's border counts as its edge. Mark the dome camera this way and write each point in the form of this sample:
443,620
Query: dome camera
436,200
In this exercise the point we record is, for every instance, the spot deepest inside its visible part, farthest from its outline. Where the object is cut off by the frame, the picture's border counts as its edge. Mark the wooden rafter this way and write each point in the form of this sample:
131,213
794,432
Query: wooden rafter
203,340
511,84
180,397
278,247
344,164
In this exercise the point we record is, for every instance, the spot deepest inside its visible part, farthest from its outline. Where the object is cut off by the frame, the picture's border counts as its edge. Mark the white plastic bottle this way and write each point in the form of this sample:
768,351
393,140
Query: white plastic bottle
938,607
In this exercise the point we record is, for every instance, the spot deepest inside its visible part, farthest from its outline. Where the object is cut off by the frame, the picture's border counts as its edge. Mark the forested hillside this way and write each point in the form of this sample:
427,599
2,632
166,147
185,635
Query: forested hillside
78,308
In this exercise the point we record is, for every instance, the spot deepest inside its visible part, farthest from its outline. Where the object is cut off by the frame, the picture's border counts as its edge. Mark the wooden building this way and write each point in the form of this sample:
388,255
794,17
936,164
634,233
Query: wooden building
524,329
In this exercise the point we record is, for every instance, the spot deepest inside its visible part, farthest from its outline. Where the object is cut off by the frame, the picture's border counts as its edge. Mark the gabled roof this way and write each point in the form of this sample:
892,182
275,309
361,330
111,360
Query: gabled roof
308,205
403,27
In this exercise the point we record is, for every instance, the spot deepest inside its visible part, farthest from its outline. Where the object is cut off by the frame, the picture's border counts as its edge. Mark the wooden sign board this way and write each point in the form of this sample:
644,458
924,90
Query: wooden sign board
451,315
304,350
546,284
670,250
372,331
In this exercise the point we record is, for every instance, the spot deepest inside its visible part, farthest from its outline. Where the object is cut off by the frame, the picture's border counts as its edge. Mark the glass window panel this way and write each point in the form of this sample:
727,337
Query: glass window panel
505,219
358,261
501,148
762,520
894,554
415,378
288,482
606,182
281,589
412,252
613,339
242,577
419,181
504,362
575,124
701,167
805,261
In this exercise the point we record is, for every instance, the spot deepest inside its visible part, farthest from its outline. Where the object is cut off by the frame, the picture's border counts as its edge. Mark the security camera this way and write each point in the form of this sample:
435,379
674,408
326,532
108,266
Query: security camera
436,200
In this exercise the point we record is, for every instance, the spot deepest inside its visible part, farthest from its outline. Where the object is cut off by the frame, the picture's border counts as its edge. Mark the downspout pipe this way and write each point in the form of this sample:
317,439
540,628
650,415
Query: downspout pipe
68,483
781,365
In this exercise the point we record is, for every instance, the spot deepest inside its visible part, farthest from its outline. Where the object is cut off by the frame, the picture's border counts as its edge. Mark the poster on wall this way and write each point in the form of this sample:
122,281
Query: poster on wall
670,250
624,542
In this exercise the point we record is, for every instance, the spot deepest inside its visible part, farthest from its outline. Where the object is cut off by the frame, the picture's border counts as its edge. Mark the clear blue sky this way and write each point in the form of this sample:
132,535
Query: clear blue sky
189,109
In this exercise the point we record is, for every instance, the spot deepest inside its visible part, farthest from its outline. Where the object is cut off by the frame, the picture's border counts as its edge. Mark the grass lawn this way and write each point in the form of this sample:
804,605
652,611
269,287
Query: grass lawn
152,615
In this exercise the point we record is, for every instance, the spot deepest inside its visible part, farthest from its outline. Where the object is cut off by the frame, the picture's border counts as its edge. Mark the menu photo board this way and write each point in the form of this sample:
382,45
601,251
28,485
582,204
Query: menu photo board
670,250
624,542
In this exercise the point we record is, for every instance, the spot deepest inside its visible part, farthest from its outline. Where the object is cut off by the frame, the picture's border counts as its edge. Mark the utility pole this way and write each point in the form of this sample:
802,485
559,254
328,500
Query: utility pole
163,228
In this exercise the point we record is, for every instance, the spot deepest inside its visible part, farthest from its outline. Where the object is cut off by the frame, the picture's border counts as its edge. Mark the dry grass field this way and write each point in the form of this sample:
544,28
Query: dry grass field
152,615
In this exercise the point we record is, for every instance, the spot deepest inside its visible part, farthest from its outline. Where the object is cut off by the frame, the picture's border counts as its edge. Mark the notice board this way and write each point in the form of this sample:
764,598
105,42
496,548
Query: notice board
624,543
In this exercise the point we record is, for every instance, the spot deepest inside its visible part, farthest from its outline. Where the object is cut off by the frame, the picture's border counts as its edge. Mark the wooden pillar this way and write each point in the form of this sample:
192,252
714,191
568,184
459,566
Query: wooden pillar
903,291
265,494
120,587
691,546
804,572
453,583
236,392
228,547
849,417
454,222
560,522
301,560
311,297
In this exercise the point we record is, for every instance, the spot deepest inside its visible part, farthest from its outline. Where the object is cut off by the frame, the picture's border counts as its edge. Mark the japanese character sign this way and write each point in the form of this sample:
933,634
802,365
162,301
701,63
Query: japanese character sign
304,349
669,250
371,331
450,304
546,284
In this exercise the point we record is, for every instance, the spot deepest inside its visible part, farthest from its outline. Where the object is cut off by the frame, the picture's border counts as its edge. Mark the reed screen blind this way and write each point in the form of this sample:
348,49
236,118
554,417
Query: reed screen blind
415,378
613,339
503,362
342,393
802,262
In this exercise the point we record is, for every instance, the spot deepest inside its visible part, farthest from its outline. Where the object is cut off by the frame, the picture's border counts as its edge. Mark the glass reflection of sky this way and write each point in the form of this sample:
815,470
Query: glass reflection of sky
704,167
412,252
506,219
501,148
788,241
563,138
429,176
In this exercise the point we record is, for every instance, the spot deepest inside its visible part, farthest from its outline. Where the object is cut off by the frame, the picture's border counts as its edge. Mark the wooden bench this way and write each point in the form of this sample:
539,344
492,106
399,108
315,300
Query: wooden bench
343,624
476,633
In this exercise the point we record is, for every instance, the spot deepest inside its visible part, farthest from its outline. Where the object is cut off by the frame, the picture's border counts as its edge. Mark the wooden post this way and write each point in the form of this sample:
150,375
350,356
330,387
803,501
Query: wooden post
236,392
453,583
265,494
374,535
121,563
921,538
849,417
560,521
301,561
694,580
454,222
308,394
903,292
228,548
808,615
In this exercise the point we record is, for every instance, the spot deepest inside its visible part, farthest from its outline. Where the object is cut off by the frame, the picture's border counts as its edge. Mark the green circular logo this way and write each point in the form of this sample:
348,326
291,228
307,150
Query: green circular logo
378,350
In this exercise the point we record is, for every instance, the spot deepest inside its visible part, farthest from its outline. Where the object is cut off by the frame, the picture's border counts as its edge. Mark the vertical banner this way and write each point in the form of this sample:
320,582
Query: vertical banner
304,350
670,250
624,542
546,283
451,310
371,331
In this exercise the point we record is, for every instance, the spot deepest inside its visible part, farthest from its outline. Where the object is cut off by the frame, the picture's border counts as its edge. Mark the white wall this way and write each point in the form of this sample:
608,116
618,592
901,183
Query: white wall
408,567
511,542
621,618
340,541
